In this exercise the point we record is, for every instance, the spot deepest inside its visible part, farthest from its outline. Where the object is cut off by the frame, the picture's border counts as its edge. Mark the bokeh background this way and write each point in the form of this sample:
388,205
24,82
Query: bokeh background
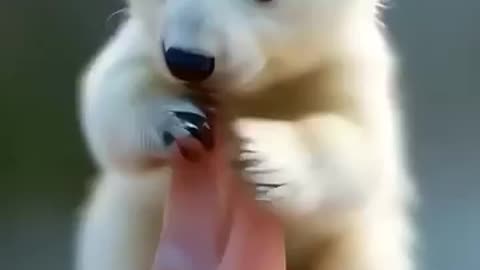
44,165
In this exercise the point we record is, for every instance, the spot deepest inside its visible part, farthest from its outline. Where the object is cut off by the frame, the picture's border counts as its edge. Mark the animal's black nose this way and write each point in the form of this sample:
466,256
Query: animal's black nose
188,66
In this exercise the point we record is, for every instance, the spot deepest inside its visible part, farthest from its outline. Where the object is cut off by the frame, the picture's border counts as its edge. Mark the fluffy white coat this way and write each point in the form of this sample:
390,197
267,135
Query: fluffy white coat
311,85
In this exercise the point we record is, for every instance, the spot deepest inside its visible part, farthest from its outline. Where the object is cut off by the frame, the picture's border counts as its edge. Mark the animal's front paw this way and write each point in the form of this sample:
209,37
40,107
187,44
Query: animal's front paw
275,162
172,125
268,178
184,124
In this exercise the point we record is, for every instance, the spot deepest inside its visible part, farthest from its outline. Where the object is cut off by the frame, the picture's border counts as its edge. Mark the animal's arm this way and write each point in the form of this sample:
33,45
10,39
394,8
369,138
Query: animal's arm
127,109
335,156
128,116
354,148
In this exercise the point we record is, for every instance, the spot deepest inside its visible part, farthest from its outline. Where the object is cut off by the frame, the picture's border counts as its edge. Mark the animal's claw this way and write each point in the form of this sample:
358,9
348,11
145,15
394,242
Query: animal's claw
197,126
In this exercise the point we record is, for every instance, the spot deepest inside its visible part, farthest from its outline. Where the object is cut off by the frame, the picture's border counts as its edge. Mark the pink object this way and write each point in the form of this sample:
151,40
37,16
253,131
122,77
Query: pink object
211,224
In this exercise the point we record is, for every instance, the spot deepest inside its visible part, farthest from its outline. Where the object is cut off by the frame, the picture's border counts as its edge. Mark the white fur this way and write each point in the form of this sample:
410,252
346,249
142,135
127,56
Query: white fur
311,86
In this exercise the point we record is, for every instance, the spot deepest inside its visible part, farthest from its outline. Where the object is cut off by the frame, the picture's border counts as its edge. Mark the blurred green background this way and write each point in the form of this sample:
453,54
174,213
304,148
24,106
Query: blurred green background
44,165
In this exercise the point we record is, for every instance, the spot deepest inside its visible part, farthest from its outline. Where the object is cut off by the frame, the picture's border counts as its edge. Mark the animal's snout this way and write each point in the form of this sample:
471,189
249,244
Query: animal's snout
188,66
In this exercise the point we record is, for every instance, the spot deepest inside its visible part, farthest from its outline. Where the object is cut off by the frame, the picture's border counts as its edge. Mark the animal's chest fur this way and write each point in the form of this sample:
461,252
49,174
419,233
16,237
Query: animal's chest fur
295,100
292,99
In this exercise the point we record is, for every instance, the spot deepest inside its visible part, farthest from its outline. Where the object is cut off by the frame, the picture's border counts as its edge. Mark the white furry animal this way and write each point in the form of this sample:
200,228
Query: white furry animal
311,86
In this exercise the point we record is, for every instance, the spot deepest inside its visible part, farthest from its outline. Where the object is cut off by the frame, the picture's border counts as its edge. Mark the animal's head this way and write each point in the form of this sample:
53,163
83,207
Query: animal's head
242,44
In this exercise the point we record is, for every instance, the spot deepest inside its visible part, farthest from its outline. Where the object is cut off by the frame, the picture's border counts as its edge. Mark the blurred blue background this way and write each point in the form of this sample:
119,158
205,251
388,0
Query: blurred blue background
44,166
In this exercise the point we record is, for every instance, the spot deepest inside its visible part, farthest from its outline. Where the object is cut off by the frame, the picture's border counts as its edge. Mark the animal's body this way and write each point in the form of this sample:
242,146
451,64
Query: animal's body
311,86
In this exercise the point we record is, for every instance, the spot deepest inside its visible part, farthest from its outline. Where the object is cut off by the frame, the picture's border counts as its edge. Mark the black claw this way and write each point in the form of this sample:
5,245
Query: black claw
168,138
204,135
264,185
195,132
196,119
263,188
198,127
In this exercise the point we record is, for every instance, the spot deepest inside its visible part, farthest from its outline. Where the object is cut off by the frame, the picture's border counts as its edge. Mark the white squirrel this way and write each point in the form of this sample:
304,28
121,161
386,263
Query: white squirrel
311,86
